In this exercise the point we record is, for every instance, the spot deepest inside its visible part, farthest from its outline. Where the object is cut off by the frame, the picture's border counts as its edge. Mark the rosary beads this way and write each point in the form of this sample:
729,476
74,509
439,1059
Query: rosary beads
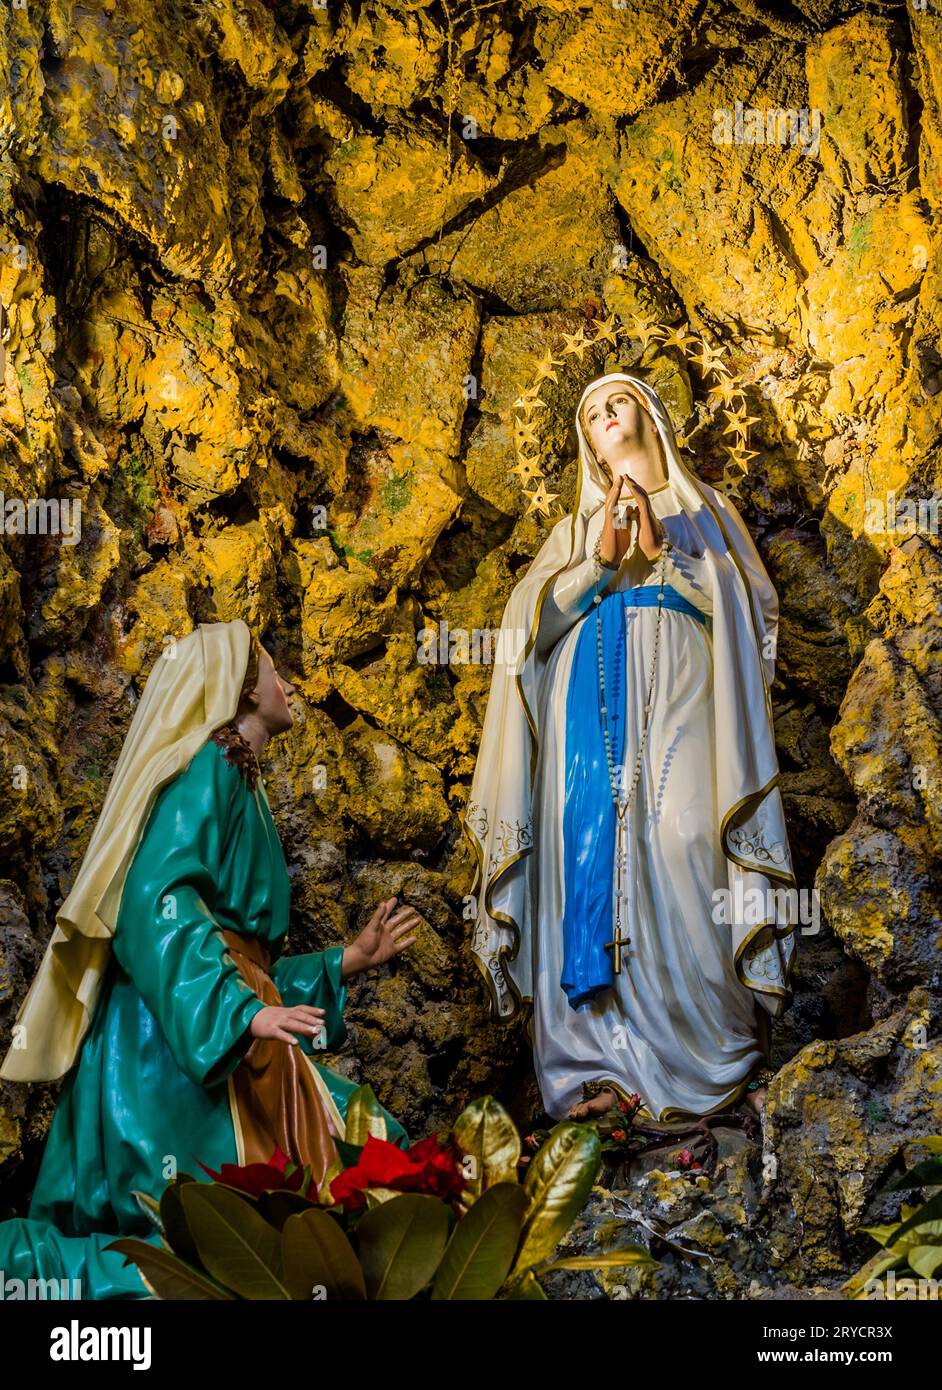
622,806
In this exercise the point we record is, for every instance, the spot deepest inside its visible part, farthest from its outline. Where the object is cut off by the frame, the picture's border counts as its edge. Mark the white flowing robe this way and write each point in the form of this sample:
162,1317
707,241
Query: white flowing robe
678,1028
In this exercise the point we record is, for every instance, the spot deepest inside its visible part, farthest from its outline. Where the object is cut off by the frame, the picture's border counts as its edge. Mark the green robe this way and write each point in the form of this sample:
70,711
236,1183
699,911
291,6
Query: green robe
148,1094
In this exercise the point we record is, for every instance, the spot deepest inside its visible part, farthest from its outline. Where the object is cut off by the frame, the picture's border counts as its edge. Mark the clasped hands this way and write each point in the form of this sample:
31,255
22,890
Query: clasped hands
383,937
615,538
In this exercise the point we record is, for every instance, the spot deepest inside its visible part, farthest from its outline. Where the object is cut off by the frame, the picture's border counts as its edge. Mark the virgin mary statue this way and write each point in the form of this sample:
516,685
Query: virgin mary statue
625,813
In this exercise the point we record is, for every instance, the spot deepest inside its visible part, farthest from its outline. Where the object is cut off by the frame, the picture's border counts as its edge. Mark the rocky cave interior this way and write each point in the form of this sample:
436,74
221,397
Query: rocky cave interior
251,257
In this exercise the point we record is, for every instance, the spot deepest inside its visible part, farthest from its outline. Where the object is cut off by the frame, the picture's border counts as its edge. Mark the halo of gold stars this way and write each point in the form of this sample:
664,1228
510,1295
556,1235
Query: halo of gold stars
726,393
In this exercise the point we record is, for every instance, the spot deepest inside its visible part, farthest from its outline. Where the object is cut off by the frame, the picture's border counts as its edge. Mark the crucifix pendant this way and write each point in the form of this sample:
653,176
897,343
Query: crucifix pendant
616,947
621,857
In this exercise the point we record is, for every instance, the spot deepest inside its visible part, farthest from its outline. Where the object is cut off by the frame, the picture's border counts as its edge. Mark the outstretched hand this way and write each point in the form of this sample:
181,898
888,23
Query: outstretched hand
383,937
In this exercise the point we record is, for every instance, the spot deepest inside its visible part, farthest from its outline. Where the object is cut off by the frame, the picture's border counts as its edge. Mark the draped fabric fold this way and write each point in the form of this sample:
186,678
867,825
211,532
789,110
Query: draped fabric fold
589,814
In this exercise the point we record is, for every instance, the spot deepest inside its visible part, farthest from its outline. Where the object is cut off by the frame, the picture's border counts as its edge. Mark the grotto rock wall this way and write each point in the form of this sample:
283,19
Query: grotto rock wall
273,276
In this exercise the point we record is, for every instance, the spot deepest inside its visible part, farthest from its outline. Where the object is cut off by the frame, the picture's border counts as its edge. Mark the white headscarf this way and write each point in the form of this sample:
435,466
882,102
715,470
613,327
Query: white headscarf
498,819
193,689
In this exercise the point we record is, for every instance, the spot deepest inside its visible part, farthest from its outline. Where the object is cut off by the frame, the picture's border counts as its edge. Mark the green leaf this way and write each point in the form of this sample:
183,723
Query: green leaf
930,1211
925,1259
926,1174
558,1182
376,1196
277,1205
881,1233
528,1288
605,1259
924,1234
401,1244
364,1117
482,1245
317,1254
150,1207
235,1244
166,1274
349,1153
174,1220
488,1137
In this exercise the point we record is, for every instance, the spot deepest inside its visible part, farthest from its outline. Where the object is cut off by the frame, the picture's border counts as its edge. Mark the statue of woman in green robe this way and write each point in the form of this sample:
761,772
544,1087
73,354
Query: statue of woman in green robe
184,1033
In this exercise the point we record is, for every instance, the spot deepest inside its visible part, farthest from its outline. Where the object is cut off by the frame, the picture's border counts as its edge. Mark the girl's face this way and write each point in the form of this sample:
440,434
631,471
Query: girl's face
612,418
273,696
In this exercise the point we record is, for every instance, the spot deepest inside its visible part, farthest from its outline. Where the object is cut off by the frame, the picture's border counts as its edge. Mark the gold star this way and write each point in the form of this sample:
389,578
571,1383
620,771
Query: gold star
508,416
528,402
739,422
544,371
741,456
525,434
527,469
576,342
710,359
645,332
725,391
540,499
679,338
607,332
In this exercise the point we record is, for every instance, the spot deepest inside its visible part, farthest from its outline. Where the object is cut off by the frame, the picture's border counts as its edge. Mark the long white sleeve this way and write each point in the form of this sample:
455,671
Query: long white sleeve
688,574
569,598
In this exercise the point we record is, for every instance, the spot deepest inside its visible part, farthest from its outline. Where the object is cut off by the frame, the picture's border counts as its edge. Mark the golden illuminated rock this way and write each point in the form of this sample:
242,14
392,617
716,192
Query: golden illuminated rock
129,120
395,192
611,57
854,74
549,239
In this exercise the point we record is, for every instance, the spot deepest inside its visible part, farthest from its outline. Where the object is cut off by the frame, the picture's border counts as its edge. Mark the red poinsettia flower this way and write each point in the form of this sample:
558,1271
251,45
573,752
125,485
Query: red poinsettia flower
427,1167
256,1178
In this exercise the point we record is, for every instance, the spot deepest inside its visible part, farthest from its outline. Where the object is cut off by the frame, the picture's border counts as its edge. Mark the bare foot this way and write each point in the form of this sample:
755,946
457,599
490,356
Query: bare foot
598,1105
756,1099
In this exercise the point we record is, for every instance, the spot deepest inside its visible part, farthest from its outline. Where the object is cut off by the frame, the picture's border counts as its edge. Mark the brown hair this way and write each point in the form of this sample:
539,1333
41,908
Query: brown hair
238,752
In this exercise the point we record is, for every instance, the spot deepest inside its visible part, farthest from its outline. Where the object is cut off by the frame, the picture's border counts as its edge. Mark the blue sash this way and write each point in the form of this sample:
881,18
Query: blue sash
588,812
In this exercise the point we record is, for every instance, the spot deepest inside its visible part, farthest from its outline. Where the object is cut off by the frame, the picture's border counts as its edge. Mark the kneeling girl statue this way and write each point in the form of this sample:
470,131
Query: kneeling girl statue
184,1033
